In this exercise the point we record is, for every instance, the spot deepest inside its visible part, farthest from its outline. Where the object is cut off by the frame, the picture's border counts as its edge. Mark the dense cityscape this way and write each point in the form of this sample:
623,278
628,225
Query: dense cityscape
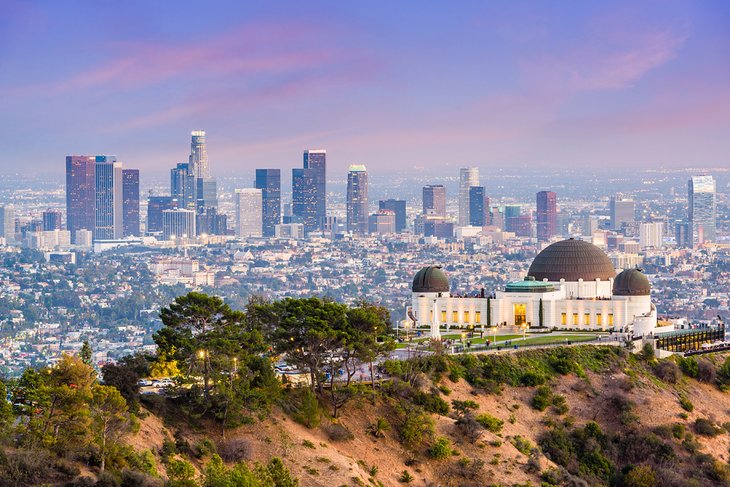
99,268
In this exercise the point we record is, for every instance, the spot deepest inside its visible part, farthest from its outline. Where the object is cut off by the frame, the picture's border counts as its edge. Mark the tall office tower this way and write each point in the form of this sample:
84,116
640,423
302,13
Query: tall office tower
478,206
651,235
547,215
382,222
398,207
178,223
210,222
269,182
357,200
468,177
309,191
249,212
182,185
130,202
682,234
702,209
434,200
198,160
7,223
51,220
155,206
109,199
80,194
207,193
622,211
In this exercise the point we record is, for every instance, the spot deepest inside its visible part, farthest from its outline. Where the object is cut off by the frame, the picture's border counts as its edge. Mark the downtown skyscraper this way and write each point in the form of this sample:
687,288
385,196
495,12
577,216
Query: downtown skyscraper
198,159
434,200
702,210
478,207
80,194
547,215
357,200
269,182
249,212
109,199
309,191
468,177
130,202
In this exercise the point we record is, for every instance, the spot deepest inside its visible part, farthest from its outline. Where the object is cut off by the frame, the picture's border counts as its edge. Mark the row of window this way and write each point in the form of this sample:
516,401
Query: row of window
455,317
586,319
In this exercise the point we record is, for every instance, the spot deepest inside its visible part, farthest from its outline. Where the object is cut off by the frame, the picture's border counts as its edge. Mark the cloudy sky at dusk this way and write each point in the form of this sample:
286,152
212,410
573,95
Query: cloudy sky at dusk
387,84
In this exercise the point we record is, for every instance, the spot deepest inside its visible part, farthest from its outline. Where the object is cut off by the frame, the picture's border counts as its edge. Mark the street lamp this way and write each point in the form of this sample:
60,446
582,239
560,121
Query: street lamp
524,330
494,330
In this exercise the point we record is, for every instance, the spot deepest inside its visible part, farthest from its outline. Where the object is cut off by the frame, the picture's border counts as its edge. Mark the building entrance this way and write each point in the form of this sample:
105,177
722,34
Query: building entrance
520,314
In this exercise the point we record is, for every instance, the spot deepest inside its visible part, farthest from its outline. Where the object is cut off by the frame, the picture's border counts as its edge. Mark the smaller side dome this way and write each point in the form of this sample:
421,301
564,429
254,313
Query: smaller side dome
431,279
631,282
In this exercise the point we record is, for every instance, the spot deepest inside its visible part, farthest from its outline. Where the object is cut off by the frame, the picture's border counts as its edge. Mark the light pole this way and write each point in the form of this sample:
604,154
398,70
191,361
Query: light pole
494,330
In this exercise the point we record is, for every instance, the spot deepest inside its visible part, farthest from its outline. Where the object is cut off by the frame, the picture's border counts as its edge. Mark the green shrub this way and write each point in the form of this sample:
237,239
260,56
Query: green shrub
433,403
532,379
490,423
308,444
704,427
406,478
678,430
522,444
641,476
667,371
689,366
686,403
560,404
416,427
441,449
542,398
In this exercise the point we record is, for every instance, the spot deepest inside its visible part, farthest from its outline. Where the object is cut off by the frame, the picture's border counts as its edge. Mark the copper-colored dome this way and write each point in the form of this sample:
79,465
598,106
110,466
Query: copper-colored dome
572,260
431,280
631,282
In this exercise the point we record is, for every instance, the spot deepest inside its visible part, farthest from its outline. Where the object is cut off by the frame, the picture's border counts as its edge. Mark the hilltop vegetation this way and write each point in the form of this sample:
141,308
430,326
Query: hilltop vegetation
572,416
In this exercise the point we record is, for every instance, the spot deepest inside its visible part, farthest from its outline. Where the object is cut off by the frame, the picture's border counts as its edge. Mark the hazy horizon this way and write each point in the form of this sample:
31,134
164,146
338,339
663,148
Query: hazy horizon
396,87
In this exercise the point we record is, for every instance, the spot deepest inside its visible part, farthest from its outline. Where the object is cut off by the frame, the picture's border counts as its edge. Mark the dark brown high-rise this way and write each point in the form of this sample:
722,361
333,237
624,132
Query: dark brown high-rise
547,215
80,194
434,200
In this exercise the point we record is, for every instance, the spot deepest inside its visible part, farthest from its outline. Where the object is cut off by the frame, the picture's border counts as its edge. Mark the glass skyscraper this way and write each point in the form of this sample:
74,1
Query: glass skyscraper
478,206
130,205
198,155
468,177
309,191
109,215
547,215
702,213
357,200
269,182
155,206
80,194
182,185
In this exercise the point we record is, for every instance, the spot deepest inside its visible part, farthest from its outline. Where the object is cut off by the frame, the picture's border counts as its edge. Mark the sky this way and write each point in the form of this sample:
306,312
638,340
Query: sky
397,86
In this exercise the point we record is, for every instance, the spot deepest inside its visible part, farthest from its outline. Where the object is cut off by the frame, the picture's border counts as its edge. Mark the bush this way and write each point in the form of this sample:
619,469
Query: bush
723,374
560,404
433,403
415,428
641,476
405,477
379,427
235,450
706,371
542,398
689,366
667,371
686,403
678,431
522,444
532,379
441,449
338,432
490,423
308,411
704,427
647,352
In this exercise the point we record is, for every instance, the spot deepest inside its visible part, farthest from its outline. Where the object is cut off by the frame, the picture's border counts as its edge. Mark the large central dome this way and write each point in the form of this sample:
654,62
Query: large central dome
572,260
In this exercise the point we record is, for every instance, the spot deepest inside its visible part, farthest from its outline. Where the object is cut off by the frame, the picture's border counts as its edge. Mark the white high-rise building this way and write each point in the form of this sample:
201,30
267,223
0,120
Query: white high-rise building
198,161
702,214
178,224
249,212
7,223
651,234
468,177
109,199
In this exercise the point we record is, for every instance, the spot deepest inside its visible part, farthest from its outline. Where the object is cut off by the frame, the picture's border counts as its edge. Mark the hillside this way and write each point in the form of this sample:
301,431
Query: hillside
568,416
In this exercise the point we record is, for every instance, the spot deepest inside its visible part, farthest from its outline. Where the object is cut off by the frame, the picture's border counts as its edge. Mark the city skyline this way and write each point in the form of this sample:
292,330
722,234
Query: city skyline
527,85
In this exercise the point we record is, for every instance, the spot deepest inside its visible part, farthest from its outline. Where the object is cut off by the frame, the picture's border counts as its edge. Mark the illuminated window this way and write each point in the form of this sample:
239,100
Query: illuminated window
563,319
586,318
520,314
455,317
599,319
466,317
443,316
610,319
477,316
575,318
